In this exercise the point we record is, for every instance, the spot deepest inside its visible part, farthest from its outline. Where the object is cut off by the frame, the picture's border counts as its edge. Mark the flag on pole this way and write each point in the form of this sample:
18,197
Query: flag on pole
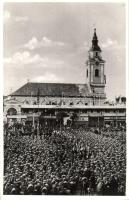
38,94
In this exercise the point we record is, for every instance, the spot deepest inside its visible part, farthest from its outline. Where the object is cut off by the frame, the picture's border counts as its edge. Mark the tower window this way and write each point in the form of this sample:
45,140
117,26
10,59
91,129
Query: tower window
96,73
87,72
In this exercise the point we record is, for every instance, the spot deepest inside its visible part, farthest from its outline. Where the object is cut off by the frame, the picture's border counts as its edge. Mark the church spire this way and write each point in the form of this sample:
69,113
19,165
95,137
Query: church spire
95,46
95,39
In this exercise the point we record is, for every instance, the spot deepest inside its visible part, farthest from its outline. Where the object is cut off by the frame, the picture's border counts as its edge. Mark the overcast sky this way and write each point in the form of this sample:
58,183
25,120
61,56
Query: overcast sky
49,42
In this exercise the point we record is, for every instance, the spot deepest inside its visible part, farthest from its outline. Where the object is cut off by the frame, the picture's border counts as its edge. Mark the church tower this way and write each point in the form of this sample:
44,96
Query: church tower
95,72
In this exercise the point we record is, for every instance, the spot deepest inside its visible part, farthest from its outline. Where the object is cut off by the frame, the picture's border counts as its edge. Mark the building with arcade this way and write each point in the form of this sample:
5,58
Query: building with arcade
87,101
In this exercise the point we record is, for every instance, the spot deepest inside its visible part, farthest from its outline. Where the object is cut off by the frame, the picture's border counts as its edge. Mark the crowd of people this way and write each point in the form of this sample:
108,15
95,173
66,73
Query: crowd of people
67,161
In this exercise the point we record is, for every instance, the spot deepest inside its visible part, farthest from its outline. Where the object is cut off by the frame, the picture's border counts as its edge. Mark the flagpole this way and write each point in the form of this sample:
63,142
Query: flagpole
33,110
38,112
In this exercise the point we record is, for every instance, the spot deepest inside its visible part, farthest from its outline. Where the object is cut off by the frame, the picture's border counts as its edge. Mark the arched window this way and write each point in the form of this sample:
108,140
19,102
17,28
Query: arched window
71,103
54,103
96,73
12,111
26,102
80,103
34,102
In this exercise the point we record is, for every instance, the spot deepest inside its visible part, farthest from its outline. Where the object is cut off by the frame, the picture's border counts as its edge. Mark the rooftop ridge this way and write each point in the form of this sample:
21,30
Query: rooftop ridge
56,83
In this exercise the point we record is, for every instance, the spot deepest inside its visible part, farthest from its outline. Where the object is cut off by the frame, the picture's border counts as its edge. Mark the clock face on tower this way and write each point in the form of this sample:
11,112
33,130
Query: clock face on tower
97,63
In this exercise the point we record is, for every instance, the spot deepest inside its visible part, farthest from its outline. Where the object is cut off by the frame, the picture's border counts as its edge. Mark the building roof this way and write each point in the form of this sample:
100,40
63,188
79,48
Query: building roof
52,89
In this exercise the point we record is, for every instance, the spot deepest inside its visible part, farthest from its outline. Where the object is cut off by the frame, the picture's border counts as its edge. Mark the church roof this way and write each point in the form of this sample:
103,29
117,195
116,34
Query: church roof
52,89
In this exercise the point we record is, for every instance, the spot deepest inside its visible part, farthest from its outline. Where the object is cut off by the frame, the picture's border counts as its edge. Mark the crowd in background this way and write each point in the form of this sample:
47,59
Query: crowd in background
67,161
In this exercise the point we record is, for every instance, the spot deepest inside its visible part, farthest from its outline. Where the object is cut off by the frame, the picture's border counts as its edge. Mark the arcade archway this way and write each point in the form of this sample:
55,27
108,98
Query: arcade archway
11,111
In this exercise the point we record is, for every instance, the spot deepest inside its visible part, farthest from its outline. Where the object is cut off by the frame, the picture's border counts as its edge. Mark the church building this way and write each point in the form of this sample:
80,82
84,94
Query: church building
86,100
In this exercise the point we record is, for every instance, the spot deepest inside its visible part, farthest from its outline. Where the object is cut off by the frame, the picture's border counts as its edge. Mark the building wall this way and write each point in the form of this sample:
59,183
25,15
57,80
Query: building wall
15,106
57,100
99,90
20,100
